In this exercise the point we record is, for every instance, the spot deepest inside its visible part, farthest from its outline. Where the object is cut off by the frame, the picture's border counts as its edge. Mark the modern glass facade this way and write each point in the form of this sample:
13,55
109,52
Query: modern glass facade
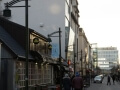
71,44
69,33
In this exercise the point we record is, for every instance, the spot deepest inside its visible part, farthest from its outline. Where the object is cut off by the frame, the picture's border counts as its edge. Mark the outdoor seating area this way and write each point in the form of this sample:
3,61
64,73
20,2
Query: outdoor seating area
44,87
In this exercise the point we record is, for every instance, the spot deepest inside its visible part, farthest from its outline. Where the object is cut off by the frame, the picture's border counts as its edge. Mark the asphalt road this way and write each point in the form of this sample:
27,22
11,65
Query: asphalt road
104,86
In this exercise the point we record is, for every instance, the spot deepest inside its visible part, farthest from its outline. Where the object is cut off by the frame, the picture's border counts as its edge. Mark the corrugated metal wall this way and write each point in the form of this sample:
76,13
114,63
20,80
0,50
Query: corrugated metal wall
7,69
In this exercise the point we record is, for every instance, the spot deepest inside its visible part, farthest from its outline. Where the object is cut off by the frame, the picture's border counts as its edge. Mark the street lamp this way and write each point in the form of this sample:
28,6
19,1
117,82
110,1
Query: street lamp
74,58
7,13
81,63
27,41
85,65
49,40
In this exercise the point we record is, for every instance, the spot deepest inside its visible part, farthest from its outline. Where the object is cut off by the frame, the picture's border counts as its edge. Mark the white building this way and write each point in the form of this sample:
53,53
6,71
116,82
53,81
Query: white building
84,53
107,57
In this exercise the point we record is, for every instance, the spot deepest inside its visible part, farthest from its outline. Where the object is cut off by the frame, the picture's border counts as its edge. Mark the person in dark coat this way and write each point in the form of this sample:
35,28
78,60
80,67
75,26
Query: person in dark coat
66,82
109,80
77,82
113,78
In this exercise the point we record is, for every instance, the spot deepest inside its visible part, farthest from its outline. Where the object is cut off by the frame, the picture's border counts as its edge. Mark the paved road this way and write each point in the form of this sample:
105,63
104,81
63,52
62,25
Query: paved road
104,86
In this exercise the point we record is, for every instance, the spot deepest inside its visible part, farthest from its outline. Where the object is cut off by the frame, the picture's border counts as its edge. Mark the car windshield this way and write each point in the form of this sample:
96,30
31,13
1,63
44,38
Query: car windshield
97,77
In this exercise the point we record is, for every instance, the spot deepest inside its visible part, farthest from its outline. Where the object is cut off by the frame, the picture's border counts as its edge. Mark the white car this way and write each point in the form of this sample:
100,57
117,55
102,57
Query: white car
98,79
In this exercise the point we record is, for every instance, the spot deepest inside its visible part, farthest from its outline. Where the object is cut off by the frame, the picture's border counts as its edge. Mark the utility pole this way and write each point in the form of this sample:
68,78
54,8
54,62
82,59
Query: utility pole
81,64
27,42
85,64
49,40
74,58
60,59
7,13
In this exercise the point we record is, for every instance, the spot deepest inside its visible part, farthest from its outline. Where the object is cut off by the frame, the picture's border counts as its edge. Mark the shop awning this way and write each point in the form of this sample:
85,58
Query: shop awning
39,57
64,68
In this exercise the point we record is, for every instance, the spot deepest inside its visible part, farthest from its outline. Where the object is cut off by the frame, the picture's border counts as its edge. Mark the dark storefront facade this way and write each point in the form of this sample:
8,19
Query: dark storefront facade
41,66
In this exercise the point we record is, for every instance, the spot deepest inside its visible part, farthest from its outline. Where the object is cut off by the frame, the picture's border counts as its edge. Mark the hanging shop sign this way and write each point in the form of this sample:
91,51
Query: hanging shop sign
50,46
35,40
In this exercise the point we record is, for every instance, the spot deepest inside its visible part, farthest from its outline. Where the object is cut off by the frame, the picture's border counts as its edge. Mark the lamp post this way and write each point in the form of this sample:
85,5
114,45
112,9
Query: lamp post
49,40
85,65
27,42
7,13
81,64
74,58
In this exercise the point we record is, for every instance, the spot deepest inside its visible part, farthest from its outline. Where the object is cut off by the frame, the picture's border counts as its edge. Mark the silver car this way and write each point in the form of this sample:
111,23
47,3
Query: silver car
98,79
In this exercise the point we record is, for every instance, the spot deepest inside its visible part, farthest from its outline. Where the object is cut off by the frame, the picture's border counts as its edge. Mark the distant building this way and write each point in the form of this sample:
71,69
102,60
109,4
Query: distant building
107,57
84,52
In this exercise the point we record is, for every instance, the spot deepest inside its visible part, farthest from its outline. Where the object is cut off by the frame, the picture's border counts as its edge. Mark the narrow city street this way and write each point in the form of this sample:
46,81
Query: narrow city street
59,44
104,86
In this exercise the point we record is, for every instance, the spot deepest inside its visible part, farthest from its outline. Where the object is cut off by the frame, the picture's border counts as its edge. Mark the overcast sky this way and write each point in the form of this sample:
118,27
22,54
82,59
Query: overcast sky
100,20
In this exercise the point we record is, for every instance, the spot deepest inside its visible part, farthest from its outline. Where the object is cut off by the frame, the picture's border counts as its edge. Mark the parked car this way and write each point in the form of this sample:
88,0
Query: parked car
98,79
102,76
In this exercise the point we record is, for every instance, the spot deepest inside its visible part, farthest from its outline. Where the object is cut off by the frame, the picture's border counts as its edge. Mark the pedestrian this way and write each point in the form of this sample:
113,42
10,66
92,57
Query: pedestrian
66,82
77,82
109,80
113,78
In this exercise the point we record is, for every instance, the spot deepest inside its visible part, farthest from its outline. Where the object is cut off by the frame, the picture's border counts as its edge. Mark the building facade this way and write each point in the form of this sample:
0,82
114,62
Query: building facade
84,53
42,68
48,16
45,17
107,58
94,57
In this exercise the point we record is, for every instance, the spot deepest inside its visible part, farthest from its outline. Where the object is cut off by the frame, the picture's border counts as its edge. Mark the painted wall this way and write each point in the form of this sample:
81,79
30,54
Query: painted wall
45,17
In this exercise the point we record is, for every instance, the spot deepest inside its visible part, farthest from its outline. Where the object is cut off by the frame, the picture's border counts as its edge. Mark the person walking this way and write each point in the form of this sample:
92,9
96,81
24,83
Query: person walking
77,82
113,78
109,80
66,82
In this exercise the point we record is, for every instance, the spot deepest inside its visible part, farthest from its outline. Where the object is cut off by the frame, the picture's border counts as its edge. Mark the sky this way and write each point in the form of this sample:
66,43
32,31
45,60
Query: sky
100,20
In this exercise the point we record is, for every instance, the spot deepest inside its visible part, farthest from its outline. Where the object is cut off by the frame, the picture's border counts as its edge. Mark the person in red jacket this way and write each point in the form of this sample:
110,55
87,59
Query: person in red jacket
77,82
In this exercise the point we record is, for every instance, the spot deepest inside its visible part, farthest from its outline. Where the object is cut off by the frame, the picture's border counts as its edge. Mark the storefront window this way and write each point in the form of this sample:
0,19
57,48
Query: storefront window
38,74
20,74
